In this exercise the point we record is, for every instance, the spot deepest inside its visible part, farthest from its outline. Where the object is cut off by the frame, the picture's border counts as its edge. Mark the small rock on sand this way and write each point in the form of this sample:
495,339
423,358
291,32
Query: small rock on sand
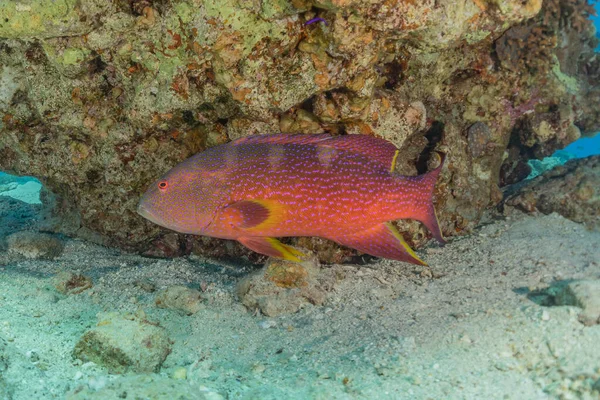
124,343
34,245
180,298
69,283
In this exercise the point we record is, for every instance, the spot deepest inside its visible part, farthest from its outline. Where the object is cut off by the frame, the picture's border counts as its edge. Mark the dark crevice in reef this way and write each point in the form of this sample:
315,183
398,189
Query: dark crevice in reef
35,54
515,168
434,135
188,118
342,129
136,7
96,65
309,104
393,73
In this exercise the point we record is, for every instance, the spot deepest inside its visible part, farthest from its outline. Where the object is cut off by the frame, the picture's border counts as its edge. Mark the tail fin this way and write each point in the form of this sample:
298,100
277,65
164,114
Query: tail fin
427,214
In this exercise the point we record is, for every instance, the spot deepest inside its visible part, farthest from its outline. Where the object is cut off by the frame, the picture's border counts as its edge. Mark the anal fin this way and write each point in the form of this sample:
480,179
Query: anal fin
271,247
381,241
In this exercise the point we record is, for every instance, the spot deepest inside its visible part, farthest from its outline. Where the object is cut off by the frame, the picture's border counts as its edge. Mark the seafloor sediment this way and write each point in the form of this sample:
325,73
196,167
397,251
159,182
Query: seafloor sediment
485,320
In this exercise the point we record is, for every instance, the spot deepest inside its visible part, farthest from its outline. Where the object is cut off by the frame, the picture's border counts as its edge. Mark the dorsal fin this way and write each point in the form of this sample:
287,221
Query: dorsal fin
376,149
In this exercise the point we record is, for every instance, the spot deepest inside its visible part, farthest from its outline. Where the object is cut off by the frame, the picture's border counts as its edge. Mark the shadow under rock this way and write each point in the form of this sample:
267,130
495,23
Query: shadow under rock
16,215
544,297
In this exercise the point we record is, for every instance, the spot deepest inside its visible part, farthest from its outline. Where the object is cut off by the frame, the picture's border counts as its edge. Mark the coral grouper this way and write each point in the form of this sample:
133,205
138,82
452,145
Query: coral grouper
257,188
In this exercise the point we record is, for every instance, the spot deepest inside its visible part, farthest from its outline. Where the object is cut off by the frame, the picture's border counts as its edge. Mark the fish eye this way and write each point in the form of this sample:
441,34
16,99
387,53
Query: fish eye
162,185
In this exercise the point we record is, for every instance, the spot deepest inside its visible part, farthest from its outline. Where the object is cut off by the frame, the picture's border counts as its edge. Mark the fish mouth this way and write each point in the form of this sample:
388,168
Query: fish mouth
144,212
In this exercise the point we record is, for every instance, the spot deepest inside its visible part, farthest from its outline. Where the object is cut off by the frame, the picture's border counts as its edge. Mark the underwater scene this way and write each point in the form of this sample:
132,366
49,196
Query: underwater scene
299,199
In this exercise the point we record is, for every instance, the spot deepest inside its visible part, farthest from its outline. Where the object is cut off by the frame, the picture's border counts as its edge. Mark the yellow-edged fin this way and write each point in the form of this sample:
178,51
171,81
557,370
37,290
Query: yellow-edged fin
381,240
403,243
393,166
277,213
271,247
287,252
255,215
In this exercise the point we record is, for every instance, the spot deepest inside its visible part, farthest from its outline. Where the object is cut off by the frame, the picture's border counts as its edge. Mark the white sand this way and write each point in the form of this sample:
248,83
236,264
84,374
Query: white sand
464,328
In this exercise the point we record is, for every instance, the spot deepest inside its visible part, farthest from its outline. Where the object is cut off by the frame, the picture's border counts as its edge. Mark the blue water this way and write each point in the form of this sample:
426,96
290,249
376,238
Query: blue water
596,19
585,147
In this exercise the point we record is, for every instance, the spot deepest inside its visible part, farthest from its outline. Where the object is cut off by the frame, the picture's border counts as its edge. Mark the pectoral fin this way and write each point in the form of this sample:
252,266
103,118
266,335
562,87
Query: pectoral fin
271,247
254,214
381,241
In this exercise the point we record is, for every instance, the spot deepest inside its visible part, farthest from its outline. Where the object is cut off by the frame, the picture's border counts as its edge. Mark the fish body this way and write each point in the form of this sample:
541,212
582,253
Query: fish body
261,187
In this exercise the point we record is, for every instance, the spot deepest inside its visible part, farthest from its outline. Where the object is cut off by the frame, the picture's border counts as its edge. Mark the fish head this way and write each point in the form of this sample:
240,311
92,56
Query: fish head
184,200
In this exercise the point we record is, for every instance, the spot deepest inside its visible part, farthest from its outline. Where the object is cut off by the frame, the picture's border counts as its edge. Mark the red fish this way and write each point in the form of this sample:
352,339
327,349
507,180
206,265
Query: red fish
257,188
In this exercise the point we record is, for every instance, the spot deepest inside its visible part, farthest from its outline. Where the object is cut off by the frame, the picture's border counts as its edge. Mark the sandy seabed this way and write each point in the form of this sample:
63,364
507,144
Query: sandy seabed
478,323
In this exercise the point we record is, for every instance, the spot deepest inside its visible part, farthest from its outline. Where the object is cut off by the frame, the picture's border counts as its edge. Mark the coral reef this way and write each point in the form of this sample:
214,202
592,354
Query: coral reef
571,190
99,98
